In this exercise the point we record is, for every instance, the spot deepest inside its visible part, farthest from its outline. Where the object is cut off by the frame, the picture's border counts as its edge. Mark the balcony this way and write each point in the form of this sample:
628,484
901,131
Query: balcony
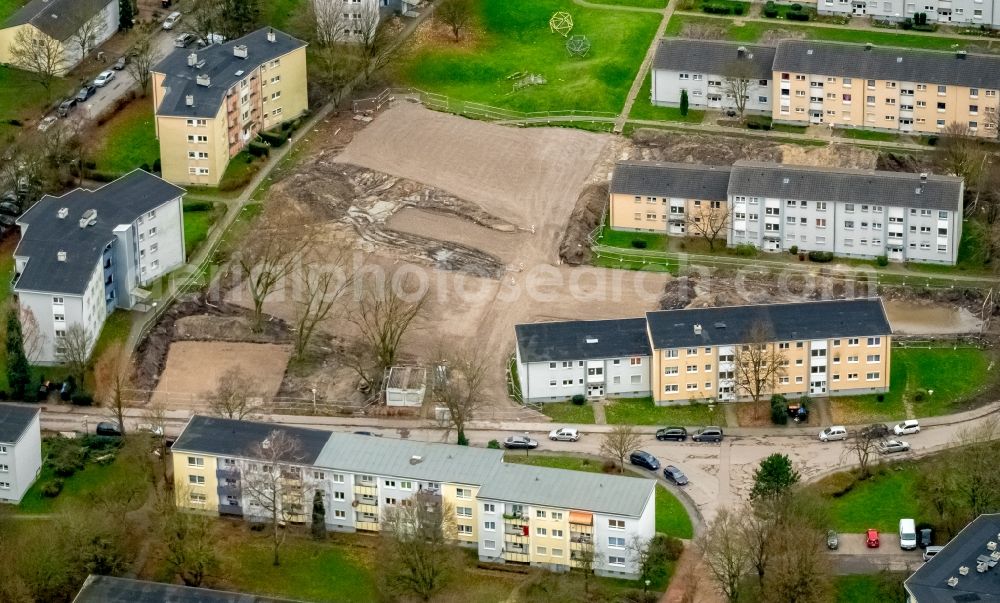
367,526
365,490
228,509
520,549
367,508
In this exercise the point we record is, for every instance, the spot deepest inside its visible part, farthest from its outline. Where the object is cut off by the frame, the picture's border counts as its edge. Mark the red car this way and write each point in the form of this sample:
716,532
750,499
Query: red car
871,539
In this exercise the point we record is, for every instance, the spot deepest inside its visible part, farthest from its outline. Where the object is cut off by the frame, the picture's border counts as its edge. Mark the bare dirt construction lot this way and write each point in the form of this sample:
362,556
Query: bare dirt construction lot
193,368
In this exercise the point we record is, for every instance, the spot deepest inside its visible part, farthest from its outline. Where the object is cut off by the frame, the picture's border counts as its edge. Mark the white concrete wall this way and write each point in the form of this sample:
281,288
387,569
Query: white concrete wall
109,18
705,91
541,381
642,527
24,461
941,11
163,251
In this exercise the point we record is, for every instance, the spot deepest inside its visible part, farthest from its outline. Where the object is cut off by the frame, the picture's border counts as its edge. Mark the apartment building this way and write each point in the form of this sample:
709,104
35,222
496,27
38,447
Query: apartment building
595,358
108,589
509,513
20,451
850,213
965,569
702,66
85,253
662,197
831,348
211,102
974,12
892,89
59,25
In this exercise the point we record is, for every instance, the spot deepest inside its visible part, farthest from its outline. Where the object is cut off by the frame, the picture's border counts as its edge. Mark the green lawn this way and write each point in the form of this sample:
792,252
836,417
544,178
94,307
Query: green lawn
642,411
752,31
556,461
8,7
513,39
280,13
240,171
116,329
644,109
628,263
858,134
624,239
128,140
864,588
639,3
21,97
78,487
973,252
567,412
197,223
878,502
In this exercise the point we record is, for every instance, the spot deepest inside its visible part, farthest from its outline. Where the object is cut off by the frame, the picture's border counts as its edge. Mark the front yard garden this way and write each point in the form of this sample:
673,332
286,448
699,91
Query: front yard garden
642,411
199,216
567,412
127,141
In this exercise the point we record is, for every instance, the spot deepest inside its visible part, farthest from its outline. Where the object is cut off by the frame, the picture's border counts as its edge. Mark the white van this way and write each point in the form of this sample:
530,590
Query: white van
907,534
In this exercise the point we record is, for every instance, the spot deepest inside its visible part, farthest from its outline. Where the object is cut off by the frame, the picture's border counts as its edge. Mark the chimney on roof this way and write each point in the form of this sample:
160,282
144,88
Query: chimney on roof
416,459
270,35
961,54
89,218
697,329
741,52
923,176
61,256
192,59
189,100
63,212
591,340
240,51
203,80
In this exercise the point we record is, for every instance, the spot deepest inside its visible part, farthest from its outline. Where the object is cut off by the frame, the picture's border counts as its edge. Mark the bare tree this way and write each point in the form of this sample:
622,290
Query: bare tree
861,446
143,56
991,121
155,416
374,42
725,554
383,316
272,483
73,350
416,557
710,222
205,19
758,364
33,338
324,23
88,28
738,77
320,291
236,395
961,154
113,377
266,259
649,555
587,558
458,386
45,57
189,543
757,524
456,14
619,444
798,568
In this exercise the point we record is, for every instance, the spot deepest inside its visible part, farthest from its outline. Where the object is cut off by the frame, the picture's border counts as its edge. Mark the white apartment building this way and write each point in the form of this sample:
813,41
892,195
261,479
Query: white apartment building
20,450
510,513
850,213
595,358
974,12
701,67
86,253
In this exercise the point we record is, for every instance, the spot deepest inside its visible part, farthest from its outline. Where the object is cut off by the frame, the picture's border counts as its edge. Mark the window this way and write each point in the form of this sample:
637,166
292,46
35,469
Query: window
196,461
541,532
692,368
338,478
871,376
852,341
390,501
635,361
463,511
464,530
463,493
874,358
557,552
616,560
670,389
616,524
3,449
197,498
540,514
670,370
557,516
338,496
874,341
4,468
635,378
489,544
942,89
617,542
541,550
339,514
489,525
692,351
197,480
489,508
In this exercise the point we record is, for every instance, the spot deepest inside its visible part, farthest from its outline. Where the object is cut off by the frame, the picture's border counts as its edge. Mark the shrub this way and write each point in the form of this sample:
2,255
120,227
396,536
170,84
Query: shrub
198,206
258,149
920,395
639,244
716,9
609,466
907,23
4,395
102,176
882,260
880,398
90,165
145,167
82,398
462,440
779,399
797,16
672,548
779,413
770,12
68,459
796,7
14,122
579,399
836,485
494,445
275,139
738,9
821,257
758,122
51,489
794,250
746,250
157,166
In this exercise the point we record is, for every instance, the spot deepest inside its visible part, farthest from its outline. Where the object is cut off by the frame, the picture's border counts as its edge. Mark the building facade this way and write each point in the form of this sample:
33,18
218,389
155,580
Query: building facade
666,197
828,348
850,213
974,12
510,513
20,451
702,67
212,102
86,253
65,22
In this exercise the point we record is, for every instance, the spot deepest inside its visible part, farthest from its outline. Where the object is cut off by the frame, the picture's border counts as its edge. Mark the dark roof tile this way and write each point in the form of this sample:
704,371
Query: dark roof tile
582,339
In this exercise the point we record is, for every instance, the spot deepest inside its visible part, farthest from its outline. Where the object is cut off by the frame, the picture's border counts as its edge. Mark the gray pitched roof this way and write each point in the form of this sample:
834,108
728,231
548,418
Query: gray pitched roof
712,56
230,437
897,189
59,19
582,339
577,490
731,325
680,180
14,420
929,584
221,66
397,458
107,589
44,234
887,63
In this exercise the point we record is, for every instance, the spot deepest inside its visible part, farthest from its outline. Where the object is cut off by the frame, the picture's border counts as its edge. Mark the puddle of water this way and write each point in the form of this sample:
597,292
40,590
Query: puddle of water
929,319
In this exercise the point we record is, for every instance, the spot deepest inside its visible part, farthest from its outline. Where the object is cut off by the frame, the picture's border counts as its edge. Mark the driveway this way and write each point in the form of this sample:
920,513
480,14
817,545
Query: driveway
854,557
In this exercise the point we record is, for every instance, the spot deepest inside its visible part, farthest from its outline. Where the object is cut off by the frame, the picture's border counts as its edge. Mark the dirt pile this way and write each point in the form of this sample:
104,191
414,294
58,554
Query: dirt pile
590,207
899,162
659,145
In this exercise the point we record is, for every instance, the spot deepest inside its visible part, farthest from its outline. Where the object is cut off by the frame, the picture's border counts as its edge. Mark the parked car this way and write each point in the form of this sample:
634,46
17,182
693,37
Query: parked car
673,474
47,122
11,209
642,458
520,442
876,430
832,540
171,20
836,432
106,428
708,434
183,40
675,434
926,538
65,106
930,551
890,446
907,534
104,78
120,63
906,427
564,434
871,539
86,92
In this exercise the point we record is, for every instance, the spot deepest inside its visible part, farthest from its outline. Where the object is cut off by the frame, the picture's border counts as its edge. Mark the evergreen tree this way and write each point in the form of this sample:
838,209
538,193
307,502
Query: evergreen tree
776,475
318,517
684,102
18,370
126,14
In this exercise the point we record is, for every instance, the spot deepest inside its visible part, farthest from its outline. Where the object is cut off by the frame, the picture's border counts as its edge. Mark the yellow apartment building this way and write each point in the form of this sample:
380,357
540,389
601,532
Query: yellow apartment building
212,102
884,88
651,196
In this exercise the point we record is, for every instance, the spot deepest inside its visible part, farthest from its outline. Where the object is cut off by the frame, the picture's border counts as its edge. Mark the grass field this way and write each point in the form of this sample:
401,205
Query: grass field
128,140
857,134
868,587
644,109
197,224
638,3
621,238
78,487
22,98
642,411
567,412
513,37
878,502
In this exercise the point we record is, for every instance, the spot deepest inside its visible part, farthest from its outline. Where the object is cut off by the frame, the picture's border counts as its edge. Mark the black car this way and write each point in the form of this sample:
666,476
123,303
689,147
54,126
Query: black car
674,434
644,459
86,92
708,434
105,428
926,538
673,474
520,442
65,106
876,430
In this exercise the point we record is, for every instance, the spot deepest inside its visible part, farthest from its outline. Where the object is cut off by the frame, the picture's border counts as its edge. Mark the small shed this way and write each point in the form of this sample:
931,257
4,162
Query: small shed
406,386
